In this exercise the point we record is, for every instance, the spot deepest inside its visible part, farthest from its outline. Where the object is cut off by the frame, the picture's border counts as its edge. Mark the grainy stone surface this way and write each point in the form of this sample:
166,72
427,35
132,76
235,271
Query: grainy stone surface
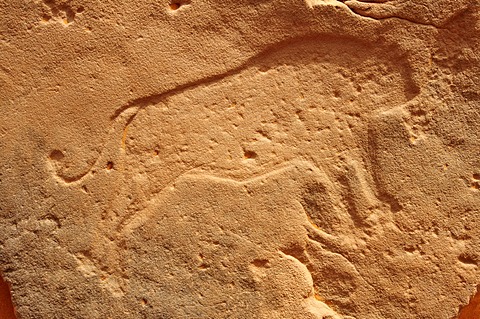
240,158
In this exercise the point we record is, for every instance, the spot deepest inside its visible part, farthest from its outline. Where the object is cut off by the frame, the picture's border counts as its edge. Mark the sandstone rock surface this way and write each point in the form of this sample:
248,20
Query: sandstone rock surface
240,159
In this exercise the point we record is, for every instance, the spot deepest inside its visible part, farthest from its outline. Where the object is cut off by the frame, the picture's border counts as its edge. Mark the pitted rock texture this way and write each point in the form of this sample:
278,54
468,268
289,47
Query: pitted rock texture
240,159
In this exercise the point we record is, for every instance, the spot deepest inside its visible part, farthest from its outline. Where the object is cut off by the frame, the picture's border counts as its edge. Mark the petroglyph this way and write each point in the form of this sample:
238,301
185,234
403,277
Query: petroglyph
240,159
201,131
347,93
270,202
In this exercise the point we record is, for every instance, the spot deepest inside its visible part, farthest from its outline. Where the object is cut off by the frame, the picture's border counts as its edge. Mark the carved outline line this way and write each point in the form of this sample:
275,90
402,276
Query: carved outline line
137,105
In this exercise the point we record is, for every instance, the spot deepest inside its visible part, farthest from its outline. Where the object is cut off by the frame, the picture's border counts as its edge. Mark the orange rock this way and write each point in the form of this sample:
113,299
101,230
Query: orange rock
6,306
472,310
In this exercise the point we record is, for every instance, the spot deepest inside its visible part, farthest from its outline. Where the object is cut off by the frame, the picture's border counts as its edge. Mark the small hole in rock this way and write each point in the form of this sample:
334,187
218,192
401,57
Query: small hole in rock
250,154
109,165
262,263
476,176
466,259
80,9
175,5
56,155
410,249
70,16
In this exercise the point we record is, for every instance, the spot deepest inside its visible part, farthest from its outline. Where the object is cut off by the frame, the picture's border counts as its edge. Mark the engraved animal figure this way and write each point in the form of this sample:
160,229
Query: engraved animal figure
309,117
230,241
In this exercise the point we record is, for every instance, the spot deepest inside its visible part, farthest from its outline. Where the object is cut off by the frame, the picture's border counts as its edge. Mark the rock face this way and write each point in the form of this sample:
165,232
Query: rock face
240,159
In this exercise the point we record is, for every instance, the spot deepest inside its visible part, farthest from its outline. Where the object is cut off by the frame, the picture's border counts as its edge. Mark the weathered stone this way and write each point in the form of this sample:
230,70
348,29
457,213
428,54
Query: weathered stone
240,159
